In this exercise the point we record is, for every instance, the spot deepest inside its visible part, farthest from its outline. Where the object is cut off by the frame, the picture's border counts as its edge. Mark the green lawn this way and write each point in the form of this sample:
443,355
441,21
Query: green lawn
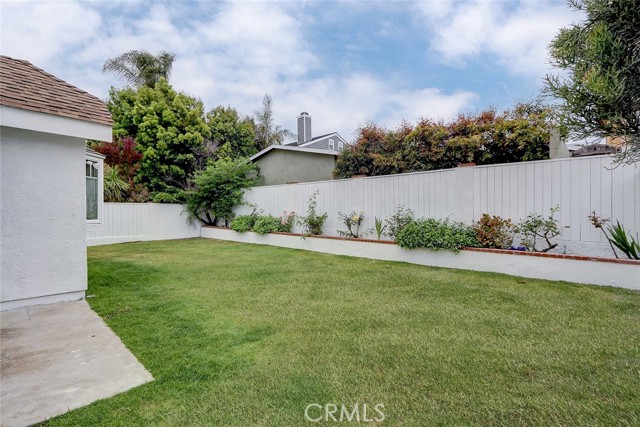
243,335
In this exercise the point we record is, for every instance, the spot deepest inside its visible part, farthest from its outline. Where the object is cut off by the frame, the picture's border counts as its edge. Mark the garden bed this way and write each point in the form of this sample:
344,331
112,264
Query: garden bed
572,268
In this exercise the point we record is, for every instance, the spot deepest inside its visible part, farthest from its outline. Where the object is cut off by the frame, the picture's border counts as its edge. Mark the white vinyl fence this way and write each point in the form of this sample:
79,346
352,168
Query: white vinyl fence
130,222
577,186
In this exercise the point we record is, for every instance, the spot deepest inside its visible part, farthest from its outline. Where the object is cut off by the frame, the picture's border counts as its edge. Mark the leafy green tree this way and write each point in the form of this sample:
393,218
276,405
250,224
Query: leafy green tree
599,88
266,131
141,68
232,135
219,188
170,131
521,134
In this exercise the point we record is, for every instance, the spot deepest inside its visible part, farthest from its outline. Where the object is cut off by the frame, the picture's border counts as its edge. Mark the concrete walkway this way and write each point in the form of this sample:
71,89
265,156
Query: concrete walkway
60,357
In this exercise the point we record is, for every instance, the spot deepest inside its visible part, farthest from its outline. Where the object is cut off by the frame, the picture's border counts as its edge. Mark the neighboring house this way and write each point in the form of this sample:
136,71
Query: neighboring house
283,164
44,125
330,141
305,160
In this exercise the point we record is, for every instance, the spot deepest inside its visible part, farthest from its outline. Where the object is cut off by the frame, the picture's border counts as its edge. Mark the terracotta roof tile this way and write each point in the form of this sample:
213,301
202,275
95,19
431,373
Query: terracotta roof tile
25,86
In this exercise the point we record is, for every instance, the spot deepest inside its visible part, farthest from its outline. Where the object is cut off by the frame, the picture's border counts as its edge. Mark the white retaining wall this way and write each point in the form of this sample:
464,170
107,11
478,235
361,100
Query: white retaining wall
539,267
131,222
577,186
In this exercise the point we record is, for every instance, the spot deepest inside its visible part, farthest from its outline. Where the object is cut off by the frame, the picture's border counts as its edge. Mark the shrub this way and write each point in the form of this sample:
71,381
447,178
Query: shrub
353,221
219,188
399,220
287,219
243,223
535,227
494,232
175,196
267,224
312,222
435,234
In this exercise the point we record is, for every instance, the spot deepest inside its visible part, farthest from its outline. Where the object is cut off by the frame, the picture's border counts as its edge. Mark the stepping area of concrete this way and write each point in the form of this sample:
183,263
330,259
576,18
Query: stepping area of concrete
60,357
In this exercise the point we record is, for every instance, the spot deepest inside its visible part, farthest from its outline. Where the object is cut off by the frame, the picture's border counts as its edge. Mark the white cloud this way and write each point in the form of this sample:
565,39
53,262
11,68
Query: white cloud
43,30
344,104
514,34
230,54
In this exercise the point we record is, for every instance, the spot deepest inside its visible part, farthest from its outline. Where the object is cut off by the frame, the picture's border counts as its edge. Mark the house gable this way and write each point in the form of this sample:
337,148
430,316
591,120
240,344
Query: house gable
332,141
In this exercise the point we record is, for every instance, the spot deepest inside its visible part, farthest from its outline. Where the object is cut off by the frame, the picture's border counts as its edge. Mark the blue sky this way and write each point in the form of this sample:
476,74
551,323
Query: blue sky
345,62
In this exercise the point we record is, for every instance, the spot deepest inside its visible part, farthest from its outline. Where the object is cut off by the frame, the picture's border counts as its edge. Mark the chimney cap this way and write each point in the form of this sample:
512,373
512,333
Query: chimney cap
304,113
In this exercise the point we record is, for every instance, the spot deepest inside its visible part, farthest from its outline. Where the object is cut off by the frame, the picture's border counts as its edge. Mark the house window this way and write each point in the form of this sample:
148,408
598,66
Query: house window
340,145
93,187
331,144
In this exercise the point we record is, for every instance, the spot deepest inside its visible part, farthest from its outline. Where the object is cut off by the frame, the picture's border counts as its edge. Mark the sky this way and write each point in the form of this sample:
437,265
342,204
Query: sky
343,62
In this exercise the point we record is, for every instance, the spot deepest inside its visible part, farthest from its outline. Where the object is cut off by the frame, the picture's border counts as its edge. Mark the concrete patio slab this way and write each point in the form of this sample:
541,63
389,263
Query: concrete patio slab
60,357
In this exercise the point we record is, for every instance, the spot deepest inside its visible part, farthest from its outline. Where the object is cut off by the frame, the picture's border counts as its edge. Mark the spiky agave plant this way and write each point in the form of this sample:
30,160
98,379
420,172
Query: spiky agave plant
627,244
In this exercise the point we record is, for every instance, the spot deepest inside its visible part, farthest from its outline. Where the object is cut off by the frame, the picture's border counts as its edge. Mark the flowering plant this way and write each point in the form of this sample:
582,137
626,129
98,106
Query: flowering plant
353,221
287,219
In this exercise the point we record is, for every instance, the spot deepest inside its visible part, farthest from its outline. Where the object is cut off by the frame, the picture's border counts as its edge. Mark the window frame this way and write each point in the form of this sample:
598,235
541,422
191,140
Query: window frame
97,164
332,144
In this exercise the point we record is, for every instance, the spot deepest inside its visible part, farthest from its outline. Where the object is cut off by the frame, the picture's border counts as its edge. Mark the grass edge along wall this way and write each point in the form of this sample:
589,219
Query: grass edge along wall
623,274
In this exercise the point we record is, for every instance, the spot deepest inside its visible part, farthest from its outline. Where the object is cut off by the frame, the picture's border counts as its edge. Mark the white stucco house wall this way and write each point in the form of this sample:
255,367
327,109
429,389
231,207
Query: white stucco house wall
44,125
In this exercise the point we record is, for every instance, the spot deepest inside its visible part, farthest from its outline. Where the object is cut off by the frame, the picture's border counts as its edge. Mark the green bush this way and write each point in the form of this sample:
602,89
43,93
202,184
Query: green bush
435,234
396,222
219,188
535,227
287,220
267,224
178,196
243,223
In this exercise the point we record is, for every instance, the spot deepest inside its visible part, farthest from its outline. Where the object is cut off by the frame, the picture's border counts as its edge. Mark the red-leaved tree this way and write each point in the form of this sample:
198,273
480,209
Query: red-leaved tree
123,153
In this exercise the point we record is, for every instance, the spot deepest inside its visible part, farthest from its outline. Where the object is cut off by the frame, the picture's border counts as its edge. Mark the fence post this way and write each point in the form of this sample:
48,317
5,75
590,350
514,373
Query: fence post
462,193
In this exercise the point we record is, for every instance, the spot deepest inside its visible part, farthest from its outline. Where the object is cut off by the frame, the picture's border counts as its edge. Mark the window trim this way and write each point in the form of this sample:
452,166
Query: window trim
98,163
340,145
332,144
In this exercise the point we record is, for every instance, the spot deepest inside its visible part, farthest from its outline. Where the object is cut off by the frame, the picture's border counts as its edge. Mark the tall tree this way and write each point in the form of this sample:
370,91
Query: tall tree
599,90
141,68
170,130
232,135
267,132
